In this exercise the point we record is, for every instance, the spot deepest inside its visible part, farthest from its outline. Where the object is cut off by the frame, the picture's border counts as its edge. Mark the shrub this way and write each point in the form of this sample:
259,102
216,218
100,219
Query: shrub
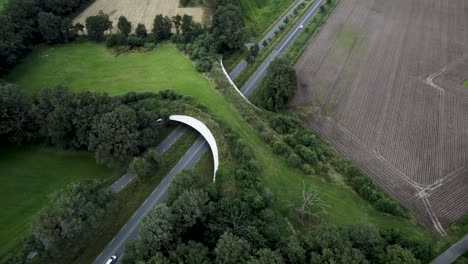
294,160
149,46
204,65
116,40
389,206
135,41
279,147
307,169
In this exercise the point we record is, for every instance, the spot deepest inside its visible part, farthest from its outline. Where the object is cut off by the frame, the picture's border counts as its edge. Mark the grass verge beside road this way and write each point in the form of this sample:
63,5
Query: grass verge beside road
29,174
259,15
310,30
252,67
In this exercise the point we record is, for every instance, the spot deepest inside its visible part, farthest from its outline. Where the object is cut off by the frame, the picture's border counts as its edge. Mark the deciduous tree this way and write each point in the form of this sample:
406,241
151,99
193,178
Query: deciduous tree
140,31
228,27
17,124
157,230
162,27
279,85
114,137
50,27
97,25
124,26
231,249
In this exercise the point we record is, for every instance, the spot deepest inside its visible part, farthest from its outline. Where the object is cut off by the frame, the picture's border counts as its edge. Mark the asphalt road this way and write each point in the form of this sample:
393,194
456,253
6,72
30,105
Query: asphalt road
279,50
453,252
130,230
128,177
171,139
241,65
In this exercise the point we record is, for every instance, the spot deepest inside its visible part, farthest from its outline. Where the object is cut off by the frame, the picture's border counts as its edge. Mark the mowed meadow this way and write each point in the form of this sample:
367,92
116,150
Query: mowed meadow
92,67
28,175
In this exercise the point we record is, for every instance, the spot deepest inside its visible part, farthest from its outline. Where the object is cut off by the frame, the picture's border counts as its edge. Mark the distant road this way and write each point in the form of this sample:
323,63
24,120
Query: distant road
130,230
453,252
279,50
241,65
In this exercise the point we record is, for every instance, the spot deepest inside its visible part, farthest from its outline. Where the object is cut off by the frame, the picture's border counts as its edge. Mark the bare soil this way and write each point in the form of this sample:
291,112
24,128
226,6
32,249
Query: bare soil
142,11
383,82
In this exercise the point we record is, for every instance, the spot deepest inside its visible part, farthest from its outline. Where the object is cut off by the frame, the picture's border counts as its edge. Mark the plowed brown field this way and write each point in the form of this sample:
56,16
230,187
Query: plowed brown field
141,11
383,82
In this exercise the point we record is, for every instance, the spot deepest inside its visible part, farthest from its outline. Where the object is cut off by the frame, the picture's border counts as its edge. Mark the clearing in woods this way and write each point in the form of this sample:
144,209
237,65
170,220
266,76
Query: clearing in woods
141,11
383,82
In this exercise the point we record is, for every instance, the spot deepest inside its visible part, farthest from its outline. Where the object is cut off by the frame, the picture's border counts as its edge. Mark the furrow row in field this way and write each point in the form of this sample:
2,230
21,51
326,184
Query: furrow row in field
390,74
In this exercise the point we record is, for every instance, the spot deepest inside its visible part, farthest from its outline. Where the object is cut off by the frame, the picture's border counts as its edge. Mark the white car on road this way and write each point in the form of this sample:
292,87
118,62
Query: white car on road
111,260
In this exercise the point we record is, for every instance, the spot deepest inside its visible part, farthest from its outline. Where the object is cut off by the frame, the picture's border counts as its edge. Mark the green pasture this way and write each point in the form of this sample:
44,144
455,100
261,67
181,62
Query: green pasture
28,175
92,67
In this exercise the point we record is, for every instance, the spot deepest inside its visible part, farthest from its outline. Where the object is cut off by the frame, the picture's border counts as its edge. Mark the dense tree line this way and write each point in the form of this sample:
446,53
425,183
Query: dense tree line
61,228
107,126
198,224
369,191
303,150
72,216
201,43
24,23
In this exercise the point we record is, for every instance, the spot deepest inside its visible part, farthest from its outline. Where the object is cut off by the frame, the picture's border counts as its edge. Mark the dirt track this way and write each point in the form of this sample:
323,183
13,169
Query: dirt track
140,11
383,82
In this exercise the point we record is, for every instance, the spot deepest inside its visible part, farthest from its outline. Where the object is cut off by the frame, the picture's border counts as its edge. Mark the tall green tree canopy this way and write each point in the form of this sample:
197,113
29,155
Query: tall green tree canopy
17,124
124,26
162,27
141,31
97,25
231,249
50,27
115,137
278,86
228,27
72,214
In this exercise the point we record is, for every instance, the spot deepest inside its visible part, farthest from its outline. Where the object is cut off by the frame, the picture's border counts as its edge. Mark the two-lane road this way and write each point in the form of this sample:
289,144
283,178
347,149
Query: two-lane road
279,50
130,230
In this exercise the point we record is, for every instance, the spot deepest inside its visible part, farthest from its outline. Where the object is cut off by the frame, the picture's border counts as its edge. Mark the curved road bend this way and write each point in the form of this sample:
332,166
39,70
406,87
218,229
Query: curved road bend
241,66
130,230
279,50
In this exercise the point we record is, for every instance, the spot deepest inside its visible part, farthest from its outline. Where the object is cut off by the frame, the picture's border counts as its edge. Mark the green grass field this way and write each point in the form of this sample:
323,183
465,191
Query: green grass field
259,14
91,67
465,83
28,175
2,3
